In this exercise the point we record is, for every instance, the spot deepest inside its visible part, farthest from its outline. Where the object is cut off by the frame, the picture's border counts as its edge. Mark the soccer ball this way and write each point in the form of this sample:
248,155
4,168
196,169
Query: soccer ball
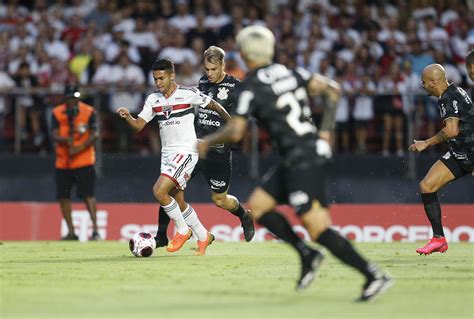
142,244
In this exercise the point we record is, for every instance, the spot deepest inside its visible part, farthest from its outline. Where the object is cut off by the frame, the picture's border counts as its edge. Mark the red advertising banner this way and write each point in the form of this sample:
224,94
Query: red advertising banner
119,221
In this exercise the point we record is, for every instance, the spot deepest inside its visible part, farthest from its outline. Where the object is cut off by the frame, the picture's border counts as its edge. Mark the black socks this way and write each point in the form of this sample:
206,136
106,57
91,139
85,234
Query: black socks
279,225
343,249
433,211
239,212
163,222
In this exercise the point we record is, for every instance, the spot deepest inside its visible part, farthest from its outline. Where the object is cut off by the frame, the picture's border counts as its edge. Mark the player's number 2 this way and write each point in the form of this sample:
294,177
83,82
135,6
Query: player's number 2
293,118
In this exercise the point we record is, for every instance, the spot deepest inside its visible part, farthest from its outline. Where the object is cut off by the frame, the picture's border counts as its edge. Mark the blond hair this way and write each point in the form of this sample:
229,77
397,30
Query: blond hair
214,55
256,43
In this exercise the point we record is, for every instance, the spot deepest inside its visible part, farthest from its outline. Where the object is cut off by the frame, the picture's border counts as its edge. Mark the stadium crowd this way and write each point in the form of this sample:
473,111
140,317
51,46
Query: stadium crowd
375,49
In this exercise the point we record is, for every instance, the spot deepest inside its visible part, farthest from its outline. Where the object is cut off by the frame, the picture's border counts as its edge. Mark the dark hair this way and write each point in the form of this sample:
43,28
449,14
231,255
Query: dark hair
470,57
163,65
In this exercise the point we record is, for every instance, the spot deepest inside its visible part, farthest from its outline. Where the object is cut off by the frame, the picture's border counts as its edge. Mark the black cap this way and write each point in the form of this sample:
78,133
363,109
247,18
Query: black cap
71,91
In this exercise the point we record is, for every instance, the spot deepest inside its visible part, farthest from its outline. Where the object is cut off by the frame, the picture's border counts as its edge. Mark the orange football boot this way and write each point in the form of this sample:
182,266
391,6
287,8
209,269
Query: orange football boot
178,241
202,245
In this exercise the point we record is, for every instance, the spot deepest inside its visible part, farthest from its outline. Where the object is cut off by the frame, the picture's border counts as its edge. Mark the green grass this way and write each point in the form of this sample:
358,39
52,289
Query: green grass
235,280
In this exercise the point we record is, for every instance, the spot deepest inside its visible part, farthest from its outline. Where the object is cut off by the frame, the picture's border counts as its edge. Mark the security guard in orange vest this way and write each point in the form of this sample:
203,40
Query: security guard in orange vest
74,126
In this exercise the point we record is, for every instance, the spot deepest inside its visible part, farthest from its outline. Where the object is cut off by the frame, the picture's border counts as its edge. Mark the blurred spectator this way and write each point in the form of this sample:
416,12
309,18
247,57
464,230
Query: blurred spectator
29,105
21,38
6,82
53,46
201,31
23,56
235,24
452,72
418,57
391,107
183,20
145,42
342,139
216,18
81,60
432,35
100,16
128,81
73,32
97,71
119,45
177,52
363,111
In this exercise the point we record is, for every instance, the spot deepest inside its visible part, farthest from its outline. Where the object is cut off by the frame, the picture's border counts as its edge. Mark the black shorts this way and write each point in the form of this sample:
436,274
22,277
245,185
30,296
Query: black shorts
297,185
83,178
217,169
457,167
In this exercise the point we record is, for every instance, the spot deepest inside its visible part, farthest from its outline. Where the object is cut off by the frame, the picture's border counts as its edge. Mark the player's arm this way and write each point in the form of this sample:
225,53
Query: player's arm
232,132
449,131
136,123
216,106
318,85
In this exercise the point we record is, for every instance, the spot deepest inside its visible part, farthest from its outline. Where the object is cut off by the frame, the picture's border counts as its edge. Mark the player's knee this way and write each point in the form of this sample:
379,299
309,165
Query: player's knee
427,187
159,193
219,200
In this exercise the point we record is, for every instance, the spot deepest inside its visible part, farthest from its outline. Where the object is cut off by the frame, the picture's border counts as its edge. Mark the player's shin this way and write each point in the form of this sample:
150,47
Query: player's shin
343,250
193,221
163,222
279,225
173,211
433,212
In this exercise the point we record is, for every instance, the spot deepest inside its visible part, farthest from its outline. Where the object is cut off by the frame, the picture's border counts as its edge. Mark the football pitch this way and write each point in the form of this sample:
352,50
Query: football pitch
234,280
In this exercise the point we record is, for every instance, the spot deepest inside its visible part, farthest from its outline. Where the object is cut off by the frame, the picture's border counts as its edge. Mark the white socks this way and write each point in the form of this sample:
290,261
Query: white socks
173,211
192,220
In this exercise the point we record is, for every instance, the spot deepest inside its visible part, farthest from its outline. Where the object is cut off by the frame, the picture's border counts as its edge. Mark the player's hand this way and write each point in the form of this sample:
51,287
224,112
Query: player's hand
203,148
418,146
123,112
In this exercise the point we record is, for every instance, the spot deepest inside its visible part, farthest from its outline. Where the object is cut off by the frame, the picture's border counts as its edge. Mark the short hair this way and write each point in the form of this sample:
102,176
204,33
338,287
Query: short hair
214,54
163,65
470,57
256,43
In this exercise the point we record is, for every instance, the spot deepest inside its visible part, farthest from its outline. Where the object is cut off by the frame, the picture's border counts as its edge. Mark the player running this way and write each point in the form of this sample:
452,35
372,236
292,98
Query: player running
173,105
277,98
457,113
217,166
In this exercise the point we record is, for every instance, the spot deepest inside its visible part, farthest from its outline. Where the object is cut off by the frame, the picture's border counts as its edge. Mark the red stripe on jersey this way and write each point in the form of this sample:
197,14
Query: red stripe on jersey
159,109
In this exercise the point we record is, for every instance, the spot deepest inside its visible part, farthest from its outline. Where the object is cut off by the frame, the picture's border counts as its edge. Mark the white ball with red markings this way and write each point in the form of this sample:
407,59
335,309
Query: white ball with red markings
142,244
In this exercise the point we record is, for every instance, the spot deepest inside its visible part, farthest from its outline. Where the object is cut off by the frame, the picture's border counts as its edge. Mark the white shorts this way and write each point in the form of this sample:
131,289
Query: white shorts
178,167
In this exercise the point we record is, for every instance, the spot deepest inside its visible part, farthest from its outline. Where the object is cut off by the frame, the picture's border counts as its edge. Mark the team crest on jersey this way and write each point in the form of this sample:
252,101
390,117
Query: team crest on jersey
167,109
223,94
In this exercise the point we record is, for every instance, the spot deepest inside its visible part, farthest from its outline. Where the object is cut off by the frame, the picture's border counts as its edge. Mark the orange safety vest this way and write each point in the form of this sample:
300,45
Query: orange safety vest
81,122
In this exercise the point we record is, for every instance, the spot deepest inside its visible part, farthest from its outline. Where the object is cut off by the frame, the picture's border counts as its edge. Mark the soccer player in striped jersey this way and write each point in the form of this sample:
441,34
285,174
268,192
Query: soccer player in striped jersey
174,107
217,166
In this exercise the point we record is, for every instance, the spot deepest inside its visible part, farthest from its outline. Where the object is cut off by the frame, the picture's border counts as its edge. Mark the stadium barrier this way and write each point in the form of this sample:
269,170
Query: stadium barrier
119,221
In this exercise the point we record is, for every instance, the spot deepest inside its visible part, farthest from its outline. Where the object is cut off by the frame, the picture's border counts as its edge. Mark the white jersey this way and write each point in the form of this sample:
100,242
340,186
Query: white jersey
176,117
